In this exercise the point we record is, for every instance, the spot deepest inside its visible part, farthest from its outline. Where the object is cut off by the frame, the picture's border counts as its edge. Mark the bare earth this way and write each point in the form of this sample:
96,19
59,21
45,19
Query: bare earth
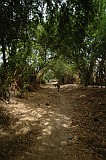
51,125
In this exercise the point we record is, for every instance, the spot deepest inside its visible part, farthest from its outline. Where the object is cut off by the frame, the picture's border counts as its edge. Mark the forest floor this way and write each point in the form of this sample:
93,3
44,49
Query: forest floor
51,125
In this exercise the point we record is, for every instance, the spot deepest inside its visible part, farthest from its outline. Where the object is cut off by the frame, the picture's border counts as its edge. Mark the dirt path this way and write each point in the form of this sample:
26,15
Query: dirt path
51,125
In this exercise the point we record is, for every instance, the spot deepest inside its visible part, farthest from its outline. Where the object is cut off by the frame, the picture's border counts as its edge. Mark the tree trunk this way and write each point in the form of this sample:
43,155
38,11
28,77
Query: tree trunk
3,51
4,76
105,73
39,76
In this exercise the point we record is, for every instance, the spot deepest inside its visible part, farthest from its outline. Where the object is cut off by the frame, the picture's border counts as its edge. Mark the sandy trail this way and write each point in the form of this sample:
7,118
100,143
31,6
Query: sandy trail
51,125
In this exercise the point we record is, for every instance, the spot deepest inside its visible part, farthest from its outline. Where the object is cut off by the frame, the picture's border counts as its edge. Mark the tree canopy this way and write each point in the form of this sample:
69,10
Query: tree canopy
34,34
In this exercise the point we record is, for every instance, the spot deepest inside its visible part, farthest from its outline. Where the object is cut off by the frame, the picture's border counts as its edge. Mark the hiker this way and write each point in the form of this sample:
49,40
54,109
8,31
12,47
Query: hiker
58,86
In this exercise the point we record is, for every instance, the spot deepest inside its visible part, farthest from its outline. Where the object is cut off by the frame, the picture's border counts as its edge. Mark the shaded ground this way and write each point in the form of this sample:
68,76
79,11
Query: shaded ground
51,125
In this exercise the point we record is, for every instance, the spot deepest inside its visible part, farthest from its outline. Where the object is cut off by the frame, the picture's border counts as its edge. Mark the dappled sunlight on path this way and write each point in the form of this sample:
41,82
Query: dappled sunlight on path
47,125
27,116
41,120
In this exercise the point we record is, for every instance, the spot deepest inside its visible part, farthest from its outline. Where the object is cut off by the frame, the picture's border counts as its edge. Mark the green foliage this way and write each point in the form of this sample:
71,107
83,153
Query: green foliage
49,75
34,34
63,70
